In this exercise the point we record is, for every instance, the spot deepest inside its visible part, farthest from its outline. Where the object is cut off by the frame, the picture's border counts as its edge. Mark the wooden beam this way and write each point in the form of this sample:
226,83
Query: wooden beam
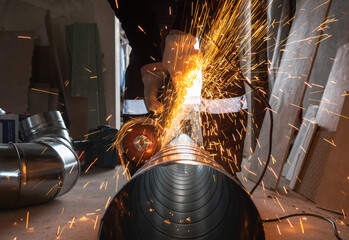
327,167
57,66
288,91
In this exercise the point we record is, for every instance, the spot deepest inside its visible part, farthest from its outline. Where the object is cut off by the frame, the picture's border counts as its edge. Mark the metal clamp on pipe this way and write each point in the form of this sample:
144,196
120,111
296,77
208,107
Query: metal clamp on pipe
42,168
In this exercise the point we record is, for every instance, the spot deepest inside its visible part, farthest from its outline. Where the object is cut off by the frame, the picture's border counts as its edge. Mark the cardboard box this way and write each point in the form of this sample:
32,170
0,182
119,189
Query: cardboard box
9,128
16,50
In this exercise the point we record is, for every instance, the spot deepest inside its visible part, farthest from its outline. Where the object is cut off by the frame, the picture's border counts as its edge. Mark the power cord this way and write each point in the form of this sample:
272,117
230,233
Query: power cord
334,227
266,103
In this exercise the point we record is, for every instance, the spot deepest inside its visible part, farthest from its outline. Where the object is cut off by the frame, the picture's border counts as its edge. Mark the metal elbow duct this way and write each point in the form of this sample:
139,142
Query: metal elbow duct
41,169
181,193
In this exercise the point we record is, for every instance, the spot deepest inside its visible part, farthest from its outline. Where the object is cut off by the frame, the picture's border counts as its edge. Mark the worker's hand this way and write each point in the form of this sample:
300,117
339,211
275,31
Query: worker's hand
181,59
153,81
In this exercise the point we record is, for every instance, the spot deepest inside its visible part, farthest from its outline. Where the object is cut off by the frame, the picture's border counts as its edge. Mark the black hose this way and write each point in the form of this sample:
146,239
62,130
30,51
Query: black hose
334,227
267,105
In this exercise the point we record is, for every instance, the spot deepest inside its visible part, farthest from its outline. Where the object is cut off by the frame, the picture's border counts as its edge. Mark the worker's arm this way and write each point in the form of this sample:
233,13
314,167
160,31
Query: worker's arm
181,59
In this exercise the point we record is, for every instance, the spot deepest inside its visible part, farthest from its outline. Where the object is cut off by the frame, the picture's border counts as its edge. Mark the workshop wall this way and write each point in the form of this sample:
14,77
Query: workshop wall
29,15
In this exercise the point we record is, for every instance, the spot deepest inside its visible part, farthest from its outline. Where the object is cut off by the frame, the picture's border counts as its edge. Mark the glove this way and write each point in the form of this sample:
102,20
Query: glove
181,59
153,81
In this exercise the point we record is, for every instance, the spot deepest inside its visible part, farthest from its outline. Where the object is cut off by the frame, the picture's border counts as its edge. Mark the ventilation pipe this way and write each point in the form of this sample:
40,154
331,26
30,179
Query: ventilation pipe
43,167
181,193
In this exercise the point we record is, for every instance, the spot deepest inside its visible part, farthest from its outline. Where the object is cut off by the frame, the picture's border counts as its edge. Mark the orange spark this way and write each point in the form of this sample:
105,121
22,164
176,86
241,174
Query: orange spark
44,91
107,203
330,142
300,220
43,151
278,229
91,165
72,222
280,204
51,190
167,221
86,184
24,37
71,170
290,223
81,155
298,179
83,218
27,222
94,227
293,126
140,28
60,233
297,106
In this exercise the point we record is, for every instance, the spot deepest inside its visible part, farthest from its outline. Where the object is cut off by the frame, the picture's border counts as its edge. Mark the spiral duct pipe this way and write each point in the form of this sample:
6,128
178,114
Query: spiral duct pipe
181,193
40,169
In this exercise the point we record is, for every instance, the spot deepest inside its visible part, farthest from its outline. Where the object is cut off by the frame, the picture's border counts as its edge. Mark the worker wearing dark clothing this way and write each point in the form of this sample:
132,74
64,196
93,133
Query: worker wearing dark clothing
146,24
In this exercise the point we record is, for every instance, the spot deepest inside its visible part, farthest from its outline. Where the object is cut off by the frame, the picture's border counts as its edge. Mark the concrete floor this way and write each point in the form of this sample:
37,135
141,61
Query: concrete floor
76,215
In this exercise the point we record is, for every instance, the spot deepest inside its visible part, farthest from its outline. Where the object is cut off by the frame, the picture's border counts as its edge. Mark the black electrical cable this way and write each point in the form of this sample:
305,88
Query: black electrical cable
267,105
334,227
265,101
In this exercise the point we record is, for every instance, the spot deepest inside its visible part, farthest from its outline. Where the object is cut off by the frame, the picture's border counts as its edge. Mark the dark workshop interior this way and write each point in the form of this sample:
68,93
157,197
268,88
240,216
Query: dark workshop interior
174,119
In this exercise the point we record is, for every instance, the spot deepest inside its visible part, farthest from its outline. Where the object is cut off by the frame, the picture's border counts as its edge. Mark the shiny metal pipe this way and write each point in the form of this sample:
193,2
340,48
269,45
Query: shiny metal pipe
39,170
44,125
181,193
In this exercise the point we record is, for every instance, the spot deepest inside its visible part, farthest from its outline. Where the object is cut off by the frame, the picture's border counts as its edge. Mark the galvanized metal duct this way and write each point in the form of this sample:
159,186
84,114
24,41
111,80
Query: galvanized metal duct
181,193
41,169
